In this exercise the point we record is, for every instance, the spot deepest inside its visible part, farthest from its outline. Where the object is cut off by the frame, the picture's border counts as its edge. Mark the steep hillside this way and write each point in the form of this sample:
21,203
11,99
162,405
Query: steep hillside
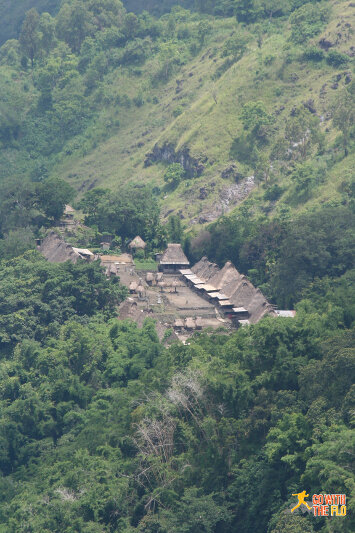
181,100
208,121
205,92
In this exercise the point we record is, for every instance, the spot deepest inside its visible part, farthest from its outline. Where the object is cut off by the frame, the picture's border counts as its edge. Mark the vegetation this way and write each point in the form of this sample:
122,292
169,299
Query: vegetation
151,119
103,429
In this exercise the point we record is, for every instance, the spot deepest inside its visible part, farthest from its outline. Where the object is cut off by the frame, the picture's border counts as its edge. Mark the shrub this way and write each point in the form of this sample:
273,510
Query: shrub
308,21
178,111
174,174
336,59
273,193
312,53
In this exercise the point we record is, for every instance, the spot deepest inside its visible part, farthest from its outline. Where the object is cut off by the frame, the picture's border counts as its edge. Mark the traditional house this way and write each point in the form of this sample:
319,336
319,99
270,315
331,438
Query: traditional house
179,324
173,259
68,217
150,279
137,244
133,286
117,262
190,323
56,250
69,213
236,295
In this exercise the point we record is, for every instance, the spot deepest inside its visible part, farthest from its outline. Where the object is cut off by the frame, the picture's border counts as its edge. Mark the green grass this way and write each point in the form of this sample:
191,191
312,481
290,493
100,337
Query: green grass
146,265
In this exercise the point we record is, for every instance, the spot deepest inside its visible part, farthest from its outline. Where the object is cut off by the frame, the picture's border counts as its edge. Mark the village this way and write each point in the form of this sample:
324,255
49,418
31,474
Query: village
182,298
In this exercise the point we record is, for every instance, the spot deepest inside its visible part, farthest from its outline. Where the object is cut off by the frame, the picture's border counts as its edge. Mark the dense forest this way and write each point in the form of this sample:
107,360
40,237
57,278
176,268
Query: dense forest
225,126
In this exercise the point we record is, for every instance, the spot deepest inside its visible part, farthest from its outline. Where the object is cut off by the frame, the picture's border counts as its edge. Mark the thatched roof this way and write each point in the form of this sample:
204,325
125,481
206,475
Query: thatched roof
55,250
137,243
174,255
133,286
190,323
140,289
178,323
204,269
233,288
199,322
69,210
149,276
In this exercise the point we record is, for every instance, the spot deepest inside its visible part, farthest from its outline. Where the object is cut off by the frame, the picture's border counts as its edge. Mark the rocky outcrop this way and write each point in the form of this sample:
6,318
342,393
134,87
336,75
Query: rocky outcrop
166,153
229,197
231,172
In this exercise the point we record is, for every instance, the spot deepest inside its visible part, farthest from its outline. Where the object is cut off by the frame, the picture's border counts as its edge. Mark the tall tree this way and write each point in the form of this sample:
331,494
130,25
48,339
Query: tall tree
53,194
74,23
29,36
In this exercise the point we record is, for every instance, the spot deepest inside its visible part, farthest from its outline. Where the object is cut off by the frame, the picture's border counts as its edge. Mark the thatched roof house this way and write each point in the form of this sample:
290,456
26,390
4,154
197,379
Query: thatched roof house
190,323
137,244
55,250
235,291
173,259
69,210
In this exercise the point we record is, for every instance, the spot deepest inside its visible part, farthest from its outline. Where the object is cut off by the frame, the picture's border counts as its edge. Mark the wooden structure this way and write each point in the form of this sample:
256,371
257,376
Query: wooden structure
173,259
137,244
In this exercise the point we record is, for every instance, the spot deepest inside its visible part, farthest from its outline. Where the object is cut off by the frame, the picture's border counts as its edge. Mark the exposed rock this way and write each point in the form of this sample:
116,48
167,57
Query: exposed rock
323,92
310,106
203,193
334,86
229,197
231,172
192,165
348,78
325,44
279,110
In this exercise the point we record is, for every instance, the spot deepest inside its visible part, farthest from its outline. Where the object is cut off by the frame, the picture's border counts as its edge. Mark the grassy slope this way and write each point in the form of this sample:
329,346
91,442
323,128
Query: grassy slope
206,127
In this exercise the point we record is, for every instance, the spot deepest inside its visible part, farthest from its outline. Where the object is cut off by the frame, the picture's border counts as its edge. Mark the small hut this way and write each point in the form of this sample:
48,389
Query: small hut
150,279
141,292
133,287
69,212
137,244
173,259
179,324
190,323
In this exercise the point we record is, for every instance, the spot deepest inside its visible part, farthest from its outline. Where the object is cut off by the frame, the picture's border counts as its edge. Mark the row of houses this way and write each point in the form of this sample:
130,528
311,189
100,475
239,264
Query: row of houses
188,324
230,291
